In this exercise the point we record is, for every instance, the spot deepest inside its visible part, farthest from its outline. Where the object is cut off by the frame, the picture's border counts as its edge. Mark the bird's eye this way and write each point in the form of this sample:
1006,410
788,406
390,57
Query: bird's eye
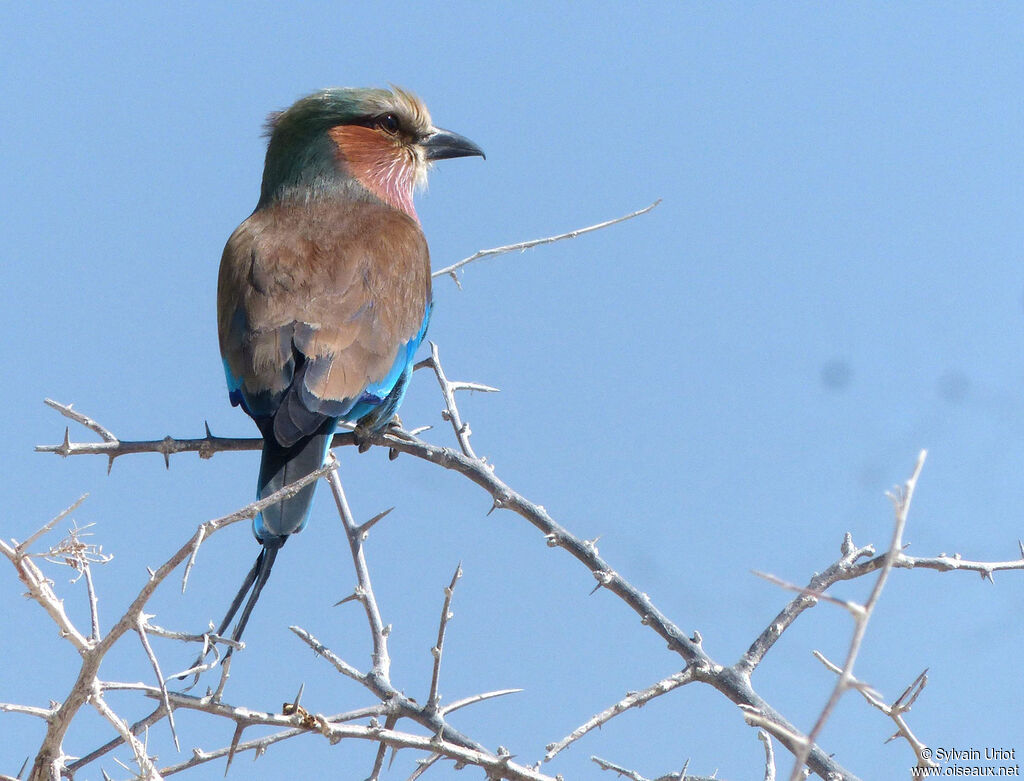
388,123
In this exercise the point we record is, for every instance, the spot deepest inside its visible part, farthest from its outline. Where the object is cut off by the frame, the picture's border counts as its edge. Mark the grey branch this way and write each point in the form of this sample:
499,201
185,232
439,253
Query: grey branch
334,728
112,447
50,759
473,699
631,700
451,410
140,627
848,567
364,589
147,769
901,705
398,703
522,246
733,681
496,767
434,697
769,755
46,527
901,502
633,775
28,710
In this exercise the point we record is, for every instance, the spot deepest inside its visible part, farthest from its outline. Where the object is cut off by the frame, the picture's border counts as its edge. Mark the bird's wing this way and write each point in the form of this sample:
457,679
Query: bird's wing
316,304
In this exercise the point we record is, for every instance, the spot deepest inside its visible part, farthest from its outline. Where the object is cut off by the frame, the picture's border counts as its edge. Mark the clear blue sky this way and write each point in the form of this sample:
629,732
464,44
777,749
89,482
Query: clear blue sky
832,281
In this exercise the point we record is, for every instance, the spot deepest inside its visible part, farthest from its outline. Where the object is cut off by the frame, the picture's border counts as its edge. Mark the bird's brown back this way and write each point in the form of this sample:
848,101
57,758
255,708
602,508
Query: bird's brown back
314,277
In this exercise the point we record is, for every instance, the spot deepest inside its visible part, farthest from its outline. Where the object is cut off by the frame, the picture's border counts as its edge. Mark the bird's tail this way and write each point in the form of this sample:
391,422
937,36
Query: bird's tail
253,586
282,465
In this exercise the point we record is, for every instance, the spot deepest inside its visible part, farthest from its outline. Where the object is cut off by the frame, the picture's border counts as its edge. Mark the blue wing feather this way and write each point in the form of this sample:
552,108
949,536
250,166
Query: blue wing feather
380,400
300,452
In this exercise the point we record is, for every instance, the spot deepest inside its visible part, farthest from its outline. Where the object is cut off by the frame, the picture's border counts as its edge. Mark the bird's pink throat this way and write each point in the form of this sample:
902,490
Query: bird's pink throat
379,164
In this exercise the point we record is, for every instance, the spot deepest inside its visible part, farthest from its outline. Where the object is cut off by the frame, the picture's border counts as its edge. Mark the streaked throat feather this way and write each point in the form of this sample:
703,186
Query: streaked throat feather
385,167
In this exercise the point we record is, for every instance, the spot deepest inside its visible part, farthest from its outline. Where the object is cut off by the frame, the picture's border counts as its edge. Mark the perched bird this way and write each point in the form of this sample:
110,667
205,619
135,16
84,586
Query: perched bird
324,291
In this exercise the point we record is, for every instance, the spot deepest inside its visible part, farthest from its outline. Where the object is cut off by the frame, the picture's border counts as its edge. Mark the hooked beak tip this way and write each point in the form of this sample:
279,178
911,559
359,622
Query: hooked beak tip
445,145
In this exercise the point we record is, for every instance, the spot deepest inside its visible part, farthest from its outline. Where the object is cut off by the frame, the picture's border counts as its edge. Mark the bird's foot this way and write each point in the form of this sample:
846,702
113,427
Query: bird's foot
364,433
394,427
361,435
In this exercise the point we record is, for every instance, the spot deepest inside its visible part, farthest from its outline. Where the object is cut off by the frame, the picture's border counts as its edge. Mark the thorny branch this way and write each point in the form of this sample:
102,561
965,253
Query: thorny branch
733,681
631,700
364,590
446,742
769,755
335,728
434,697
862,613
50,759
633,775
522,246
900,705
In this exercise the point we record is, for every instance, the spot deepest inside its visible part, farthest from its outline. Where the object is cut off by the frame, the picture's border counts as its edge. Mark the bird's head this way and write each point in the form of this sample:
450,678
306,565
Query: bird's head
355,142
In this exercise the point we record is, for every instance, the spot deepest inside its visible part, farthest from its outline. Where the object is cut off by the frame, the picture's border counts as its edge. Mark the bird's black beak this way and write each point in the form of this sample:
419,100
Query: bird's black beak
444,144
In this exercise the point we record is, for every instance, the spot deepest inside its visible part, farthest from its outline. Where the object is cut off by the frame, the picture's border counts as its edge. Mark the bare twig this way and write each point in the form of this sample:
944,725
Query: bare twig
525,245
901,705
382,750
146,767
433,699
954,563
41,590
444,740
631,700
364,589
451,410
112,447
140,627
901,502
475,698
769,755
732,681
496,767
24,546
135,729
853,607
604,764
840,570
50,758
28,710
398,703
423,765
78,417
94,614
633,775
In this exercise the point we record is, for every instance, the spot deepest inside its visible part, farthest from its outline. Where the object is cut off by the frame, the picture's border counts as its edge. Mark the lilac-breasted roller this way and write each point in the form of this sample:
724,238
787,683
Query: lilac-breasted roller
324,291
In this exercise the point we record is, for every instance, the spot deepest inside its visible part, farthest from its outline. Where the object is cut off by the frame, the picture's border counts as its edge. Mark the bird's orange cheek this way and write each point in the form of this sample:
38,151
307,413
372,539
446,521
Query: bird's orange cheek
378,162
364,151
